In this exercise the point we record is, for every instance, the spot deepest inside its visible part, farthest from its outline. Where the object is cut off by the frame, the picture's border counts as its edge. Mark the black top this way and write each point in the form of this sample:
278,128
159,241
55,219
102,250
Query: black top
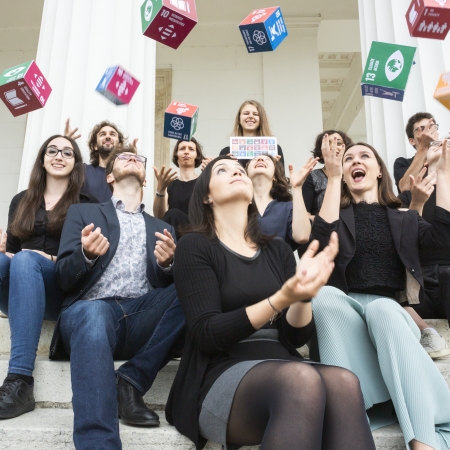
313,190
216,320
41,239
179,194
376,267
428,257
401,165
243,162
409,234
277,221
95,183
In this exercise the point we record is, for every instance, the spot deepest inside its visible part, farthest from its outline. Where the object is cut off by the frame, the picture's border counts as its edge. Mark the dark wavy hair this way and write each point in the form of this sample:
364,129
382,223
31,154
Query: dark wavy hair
386,196
317,150
94,157
414,119
280,186
201,215
22,224
198,147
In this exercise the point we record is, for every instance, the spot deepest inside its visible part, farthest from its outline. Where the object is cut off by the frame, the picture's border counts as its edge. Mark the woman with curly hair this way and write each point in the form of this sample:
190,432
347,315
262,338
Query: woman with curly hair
280,212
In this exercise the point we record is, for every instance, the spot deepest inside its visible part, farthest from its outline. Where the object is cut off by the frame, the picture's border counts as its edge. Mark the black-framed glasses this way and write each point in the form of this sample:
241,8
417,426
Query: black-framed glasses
128,156
66,152
430,127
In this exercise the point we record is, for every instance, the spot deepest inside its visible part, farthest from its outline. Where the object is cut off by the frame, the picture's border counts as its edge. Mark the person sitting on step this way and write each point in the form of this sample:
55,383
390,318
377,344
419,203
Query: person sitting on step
29,292
115,263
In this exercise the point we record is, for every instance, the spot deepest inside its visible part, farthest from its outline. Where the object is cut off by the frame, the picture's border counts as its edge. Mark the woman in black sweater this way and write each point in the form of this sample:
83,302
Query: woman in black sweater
359,321
241,380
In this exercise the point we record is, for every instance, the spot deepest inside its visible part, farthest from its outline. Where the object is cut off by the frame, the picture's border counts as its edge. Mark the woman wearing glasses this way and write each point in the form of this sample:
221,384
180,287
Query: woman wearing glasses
280,212
28,290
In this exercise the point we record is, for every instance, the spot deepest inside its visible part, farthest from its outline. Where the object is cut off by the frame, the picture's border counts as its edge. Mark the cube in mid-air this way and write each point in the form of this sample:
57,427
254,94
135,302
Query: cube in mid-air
428,18
180,121
118,85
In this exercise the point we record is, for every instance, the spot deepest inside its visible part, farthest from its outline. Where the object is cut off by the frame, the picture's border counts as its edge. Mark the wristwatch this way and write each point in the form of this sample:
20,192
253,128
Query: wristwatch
160,195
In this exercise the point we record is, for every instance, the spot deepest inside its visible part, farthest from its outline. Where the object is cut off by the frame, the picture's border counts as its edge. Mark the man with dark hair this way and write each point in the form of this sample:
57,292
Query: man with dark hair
421,129
104,137
115,264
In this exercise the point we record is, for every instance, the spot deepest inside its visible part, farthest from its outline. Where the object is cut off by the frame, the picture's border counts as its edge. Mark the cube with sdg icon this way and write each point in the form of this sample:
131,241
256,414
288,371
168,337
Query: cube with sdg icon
180,121
118,85
428,18
168,21
23,88
263,30
442,93
387,70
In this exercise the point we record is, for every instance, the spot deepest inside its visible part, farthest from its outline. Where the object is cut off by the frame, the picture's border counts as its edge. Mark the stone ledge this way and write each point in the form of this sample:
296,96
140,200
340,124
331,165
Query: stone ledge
52,428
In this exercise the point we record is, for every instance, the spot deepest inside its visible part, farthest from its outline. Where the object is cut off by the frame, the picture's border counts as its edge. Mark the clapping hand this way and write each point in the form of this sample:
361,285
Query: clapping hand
422,187
297,179
93,242
332,157
68,132
313,271
164,177
165,248
443,165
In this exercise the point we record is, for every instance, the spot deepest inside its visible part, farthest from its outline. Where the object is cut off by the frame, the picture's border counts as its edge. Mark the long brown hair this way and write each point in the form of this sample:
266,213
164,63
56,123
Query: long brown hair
201,215
280,185
23,222
263,129
386,196
94,157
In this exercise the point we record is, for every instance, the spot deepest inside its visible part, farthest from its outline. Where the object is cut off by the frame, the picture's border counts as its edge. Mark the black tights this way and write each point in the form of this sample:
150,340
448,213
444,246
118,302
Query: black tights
288,405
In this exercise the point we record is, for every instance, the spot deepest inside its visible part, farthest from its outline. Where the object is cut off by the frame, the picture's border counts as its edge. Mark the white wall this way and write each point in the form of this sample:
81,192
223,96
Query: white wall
17,46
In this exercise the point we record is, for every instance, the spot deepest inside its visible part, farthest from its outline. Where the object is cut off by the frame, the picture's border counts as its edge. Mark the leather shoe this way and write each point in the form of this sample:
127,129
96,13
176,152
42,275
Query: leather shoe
131,406
16,397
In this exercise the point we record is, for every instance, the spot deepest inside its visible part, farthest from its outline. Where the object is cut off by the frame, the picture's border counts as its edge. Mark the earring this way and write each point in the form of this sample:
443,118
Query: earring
379,175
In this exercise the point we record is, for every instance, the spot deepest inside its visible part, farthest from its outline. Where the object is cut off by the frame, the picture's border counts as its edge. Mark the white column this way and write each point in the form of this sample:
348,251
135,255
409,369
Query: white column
78,41
292,88
384,20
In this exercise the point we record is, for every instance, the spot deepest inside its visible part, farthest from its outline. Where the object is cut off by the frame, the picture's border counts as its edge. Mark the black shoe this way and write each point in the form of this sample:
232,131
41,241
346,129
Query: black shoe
16,397
132,408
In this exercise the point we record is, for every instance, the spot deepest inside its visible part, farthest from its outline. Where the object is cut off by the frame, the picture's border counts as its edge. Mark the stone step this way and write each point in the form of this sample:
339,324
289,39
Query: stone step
441,326
42,429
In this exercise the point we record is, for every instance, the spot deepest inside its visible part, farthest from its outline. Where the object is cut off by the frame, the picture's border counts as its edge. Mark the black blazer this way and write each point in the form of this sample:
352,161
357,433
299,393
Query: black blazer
409,232
72,274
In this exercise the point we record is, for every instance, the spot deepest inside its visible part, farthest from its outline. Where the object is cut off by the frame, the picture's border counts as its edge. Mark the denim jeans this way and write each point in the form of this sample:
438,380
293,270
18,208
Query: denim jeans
28,295
147,331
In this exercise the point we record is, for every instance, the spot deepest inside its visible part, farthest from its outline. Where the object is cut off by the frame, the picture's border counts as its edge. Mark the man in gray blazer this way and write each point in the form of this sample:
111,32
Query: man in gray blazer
115,263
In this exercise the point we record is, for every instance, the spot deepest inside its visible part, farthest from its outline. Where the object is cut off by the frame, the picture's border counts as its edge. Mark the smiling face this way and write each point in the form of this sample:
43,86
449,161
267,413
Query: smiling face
186,154
249,119
229,183
107,139
261,165
57,166
361,170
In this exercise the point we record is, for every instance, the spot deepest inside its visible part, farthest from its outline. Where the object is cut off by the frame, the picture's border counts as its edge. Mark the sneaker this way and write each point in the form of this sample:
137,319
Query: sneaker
16,397
434,344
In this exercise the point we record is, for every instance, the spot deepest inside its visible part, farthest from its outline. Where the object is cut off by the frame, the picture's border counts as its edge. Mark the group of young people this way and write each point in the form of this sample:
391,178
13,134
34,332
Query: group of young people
212,277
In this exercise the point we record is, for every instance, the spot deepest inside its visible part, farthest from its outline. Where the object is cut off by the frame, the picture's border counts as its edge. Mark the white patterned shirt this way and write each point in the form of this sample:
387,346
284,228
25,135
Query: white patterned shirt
126,274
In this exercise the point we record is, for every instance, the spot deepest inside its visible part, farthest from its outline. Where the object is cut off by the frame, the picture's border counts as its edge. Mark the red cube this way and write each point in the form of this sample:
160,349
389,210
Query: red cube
429,18
23,88
168,21
118,85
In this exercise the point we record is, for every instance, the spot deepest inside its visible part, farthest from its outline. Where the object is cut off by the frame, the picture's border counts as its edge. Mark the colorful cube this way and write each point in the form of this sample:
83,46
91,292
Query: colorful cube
387,70
168,21
23,88
263,30
180,121
118,85
428,18
442,93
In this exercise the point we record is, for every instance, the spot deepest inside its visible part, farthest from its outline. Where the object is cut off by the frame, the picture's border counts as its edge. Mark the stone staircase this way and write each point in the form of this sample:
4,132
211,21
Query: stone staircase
50,425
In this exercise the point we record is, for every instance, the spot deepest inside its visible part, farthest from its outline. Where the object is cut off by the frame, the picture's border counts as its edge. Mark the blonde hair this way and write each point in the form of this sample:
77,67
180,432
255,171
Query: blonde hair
264,127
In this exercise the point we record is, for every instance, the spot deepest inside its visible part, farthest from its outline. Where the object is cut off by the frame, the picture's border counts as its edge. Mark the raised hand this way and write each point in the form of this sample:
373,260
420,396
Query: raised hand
313,271
68,132
443,165
332,157
205,162
164,177
133,145
297,179
165,248
93,242
421,187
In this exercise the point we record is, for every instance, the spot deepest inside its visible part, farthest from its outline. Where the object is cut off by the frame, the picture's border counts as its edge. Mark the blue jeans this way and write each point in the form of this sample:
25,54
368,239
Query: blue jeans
147,331
28,295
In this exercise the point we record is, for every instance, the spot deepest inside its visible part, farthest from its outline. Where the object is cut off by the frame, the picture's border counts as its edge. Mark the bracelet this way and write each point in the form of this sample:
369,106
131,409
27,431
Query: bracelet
276,315
159,195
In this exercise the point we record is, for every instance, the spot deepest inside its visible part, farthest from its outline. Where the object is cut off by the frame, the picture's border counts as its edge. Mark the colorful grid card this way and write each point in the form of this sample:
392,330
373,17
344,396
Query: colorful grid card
247,148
